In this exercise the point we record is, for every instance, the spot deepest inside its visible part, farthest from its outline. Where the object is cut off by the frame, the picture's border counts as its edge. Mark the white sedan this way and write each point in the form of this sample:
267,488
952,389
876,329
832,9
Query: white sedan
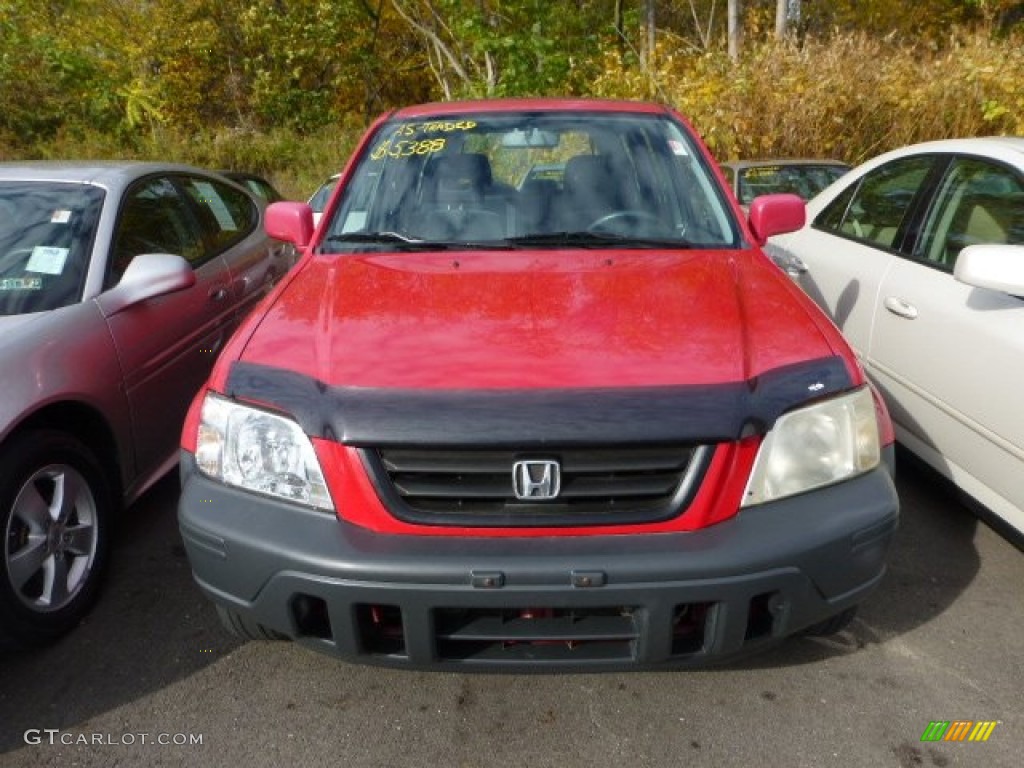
918,256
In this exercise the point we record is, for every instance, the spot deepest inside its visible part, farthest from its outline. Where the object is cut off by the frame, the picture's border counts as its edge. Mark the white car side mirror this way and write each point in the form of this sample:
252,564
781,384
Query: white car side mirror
996,267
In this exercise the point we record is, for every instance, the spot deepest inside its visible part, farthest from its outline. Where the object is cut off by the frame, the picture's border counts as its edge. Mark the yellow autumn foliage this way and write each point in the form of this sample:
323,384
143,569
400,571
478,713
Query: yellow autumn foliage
849,98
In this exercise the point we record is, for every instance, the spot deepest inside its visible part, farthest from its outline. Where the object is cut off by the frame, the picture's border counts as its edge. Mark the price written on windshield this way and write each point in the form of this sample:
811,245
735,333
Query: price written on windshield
396,148
403,141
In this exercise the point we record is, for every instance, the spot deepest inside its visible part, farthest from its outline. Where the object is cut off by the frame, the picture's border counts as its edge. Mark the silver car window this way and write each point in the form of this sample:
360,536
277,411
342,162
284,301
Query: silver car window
155,218
226,215
804,180
46,236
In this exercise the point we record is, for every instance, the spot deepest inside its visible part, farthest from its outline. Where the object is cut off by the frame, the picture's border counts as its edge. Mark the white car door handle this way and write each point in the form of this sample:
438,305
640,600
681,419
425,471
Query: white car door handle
900,307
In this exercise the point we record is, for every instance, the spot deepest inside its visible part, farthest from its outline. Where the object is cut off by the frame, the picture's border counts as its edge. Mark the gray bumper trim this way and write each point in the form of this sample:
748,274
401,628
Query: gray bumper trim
803,560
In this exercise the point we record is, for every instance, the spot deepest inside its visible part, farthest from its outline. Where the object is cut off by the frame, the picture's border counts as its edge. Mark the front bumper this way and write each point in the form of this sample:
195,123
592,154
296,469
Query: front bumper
589,602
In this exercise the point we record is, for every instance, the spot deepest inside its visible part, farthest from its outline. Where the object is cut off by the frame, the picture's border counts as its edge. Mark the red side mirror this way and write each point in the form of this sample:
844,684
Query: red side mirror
289,222
776,215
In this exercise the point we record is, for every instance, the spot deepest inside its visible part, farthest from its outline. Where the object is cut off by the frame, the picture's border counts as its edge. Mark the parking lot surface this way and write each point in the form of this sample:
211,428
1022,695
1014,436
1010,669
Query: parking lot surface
151,679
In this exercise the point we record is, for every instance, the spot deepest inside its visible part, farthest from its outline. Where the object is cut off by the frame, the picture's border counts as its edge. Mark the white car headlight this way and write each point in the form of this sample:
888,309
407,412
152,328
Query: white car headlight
259,451
817,445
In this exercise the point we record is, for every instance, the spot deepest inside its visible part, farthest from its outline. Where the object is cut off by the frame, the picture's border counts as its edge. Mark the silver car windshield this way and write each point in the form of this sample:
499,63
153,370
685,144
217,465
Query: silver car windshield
803,180
537,180
46,234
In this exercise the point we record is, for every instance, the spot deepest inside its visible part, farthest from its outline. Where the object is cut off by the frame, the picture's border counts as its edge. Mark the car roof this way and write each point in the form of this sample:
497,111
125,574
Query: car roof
529,105
973,144
1008,148
103,173
765,162
241,175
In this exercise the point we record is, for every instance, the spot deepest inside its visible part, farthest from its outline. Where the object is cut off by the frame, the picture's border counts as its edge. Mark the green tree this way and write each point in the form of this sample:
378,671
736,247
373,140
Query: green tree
494,48
48,81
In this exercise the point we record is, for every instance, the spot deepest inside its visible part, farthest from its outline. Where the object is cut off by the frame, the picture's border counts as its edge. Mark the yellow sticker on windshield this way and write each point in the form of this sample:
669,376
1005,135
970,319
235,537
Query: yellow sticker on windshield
436,126
761,170
408,140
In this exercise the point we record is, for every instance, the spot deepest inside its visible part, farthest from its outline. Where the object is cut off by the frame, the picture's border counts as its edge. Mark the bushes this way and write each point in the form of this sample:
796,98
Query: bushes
850,98
295,164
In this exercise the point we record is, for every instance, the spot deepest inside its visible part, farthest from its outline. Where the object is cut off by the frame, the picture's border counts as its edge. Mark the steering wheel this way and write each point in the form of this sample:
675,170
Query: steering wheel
638,219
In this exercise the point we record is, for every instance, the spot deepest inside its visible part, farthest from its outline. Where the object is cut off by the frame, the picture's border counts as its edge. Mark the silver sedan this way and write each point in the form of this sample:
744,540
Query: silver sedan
119,283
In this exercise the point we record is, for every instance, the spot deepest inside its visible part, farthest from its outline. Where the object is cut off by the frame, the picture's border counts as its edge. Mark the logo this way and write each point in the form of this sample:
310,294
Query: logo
959,730
536,480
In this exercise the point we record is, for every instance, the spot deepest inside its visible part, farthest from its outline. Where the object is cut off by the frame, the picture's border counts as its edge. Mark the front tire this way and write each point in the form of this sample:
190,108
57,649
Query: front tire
55,507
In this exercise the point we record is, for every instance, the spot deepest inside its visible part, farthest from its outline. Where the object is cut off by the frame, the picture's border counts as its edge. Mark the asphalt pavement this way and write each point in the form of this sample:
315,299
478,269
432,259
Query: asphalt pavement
151,679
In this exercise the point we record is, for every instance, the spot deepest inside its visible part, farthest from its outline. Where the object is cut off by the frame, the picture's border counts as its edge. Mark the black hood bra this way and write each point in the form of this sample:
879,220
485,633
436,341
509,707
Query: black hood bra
366,416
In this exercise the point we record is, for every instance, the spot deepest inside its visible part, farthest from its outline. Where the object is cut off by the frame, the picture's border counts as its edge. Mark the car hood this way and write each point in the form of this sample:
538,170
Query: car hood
532,320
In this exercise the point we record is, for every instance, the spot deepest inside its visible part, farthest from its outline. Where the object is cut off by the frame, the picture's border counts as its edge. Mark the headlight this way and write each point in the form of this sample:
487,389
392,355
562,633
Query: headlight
815,446
259,451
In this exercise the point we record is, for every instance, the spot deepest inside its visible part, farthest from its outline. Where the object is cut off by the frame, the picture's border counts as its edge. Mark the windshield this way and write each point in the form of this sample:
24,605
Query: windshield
534,180
805,180
46,232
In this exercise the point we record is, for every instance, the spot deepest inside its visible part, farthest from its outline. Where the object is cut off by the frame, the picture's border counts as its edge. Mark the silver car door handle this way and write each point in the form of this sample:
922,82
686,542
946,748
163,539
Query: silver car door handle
900,307
218,294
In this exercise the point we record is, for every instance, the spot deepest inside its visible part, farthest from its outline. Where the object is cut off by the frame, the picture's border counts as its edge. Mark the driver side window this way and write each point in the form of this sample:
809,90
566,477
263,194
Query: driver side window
978,202
154,219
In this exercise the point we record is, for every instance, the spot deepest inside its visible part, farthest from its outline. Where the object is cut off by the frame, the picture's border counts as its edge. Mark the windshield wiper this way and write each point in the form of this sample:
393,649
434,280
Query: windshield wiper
370,237
380,238
577,239
412,243
584,239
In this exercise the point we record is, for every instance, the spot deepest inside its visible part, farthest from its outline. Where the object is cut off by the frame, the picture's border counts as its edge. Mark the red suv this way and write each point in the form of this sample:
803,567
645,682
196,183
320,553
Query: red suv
496,419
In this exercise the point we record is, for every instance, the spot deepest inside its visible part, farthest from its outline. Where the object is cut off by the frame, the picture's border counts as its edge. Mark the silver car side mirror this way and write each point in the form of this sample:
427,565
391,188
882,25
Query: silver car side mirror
147,276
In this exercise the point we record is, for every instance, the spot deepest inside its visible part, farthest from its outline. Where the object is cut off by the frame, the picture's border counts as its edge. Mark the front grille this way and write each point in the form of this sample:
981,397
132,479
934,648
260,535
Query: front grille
599,486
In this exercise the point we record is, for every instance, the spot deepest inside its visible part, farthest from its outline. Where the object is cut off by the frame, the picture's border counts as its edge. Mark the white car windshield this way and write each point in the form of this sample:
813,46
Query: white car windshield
532,179
46,234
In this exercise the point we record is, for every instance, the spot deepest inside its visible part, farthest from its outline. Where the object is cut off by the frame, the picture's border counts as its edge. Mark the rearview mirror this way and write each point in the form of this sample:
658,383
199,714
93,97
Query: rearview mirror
533,138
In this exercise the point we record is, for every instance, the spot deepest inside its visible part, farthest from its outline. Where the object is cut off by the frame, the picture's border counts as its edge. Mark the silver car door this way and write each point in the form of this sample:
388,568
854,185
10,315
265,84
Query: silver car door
166,344
231,224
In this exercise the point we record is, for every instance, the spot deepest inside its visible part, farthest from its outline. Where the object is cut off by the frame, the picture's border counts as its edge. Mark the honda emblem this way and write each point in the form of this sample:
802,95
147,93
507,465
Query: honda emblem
536,480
